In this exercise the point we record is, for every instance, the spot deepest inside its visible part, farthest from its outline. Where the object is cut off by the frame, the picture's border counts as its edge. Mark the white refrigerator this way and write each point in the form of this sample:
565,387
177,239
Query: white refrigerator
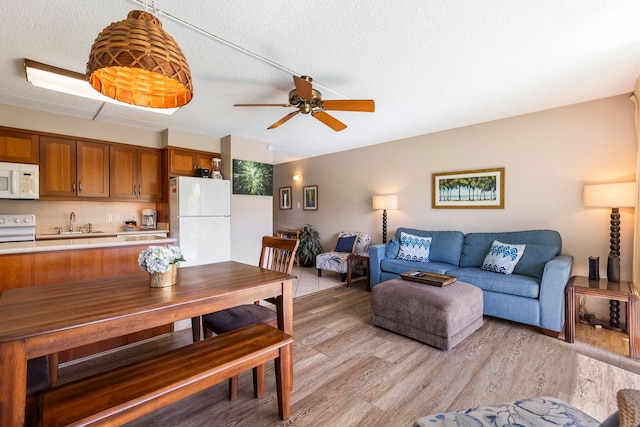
200,219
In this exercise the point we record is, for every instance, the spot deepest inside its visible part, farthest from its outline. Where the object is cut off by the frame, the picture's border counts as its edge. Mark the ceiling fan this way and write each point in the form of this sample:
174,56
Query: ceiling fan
309,100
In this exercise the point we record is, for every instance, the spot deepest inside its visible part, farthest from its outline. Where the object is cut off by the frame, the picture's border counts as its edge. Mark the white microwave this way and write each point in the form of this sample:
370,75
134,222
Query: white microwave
19,181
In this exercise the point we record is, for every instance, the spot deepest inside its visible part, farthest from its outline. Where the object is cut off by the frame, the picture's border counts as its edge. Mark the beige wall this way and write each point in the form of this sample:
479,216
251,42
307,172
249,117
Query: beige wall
548,157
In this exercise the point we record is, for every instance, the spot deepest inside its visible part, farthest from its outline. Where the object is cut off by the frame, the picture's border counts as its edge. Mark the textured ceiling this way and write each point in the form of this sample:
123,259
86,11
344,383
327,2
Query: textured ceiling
429,65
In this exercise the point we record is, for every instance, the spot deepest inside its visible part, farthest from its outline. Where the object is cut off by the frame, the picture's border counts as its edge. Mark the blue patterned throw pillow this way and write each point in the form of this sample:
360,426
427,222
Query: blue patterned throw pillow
414,248
502,257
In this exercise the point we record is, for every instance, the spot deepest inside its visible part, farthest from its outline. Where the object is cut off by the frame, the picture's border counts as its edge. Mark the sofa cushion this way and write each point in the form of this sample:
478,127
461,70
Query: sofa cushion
512,284
446,246
414,248
476,245
399,266
534,258
391,248
502,257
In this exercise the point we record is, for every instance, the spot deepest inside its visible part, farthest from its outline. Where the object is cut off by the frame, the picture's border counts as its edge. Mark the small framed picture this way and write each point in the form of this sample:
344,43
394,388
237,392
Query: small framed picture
285,198
310,194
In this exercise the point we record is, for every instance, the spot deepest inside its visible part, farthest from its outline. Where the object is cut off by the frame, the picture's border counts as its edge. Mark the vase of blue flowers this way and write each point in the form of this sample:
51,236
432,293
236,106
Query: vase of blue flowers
160,262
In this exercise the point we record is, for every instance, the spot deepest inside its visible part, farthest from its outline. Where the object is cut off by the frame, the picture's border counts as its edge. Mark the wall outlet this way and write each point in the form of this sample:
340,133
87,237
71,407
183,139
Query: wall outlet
116,217
109,217
134,217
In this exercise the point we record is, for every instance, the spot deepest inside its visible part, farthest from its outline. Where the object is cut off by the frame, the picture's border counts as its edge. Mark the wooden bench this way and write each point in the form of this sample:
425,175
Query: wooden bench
128,392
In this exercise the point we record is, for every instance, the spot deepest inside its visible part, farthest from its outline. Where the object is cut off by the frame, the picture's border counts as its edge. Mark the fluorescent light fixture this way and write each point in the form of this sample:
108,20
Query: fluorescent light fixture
72,83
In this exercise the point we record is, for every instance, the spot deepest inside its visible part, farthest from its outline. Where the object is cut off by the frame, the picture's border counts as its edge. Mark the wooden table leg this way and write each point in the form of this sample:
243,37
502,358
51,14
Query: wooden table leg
13,383
570,314
284,381
632,326
284,306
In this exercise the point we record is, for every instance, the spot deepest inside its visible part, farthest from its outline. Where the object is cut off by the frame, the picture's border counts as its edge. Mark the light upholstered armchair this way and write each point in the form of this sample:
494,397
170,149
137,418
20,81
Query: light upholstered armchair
349,243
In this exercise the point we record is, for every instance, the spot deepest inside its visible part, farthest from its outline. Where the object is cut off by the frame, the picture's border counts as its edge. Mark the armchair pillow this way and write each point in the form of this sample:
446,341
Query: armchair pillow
414,248
346,244
502,257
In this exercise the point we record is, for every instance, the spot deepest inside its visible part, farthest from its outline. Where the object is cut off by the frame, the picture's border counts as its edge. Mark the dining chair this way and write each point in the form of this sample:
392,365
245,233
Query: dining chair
277,254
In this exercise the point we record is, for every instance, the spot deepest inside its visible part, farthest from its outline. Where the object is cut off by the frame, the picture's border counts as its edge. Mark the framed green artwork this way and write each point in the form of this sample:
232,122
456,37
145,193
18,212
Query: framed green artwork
252,178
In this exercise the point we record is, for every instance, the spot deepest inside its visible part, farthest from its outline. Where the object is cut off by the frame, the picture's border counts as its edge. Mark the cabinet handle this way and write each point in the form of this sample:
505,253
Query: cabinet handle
139,190
73,187
134,190
79,186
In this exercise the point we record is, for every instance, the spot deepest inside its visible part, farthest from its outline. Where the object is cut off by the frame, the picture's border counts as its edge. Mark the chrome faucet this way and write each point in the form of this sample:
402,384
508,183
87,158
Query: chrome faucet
72,219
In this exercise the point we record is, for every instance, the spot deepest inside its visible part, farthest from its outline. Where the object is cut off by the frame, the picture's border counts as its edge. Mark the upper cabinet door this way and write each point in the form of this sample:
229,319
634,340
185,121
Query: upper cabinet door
182,162
93,169
18,147
124,172
150,174
57,167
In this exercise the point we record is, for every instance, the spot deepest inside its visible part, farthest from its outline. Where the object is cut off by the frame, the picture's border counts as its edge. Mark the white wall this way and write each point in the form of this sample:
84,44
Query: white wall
251,216
548,157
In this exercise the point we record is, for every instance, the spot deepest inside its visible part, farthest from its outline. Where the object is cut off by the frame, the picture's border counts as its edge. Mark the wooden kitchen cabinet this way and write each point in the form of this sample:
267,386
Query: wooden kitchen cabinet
70,168
18,147
184,162
136,173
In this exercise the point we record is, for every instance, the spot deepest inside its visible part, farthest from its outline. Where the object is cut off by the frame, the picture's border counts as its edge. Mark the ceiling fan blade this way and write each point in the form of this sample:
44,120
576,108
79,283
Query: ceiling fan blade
329,120
363,105
303,88
282,120
262,105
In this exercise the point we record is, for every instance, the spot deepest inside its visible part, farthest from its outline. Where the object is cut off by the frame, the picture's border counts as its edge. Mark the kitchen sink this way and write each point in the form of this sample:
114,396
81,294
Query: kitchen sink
70,232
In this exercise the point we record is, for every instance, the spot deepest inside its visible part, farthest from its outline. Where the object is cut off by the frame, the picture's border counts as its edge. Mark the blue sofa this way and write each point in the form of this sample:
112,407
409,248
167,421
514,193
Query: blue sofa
533,294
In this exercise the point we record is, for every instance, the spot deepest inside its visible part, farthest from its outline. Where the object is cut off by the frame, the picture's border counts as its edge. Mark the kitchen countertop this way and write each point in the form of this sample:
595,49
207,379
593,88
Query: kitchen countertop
101,240
100,234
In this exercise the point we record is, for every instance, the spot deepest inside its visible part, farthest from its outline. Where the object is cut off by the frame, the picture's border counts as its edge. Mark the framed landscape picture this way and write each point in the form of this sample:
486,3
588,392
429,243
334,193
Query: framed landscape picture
310,196
285,198
475,189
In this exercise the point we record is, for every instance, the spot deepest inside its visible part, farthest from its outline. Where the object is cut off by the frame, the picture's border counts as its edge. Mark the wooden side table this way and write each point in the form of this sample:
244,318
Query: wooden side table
355,258
614,291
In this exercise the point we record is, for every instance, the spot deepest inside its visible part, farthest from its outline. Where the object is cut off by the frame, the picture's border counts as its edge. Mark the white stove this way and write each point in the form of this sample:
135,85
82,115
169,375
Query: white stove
17,227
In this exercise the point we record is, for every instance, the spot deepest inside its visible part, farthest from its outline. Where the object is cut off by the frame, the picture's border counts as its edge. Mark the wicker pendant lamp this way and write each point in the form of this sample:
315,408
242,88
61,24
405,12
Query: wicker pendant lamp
135,61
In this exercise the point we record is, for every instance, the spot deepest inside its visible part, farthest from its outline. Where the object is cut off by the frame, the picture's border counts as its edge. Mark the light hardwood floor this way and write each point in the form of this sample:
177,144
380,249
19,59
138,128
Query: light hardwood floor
349,373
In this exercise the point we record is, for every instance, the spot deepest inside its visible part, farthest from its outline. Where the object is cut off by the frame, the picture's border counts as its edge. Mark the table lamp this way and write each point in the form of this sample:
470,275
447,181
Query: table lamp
389,201
614,196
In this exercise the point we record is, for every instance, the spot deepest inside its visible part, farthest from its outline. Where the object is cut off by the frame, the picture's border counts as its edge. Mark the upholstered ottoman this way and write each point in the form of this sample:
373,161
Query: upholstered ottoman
439,316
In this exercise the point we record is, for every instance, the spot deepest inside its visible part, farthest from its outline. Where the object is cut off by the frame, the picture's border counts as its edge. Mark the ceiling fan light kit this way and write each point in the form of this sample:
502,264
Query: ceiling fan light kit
309,101
137,62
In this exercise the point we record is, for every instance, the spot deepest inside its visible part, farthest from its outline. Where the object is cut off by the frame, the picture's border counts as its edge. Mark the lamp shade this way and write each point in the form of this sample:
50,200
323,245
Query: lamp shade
137,62
389,201
616,195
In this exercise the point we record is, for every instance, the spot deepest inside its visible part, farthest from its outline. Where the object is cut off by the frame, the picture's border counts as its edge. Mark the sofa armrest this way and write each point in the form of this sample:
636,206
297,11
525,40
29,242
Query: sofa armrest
554,280
376,255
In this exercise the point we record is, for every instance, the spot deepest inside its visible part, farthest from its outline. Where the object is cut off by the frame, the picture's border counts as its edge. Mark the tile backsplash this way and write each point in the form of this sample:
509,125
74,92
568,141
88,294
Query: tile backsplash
52,214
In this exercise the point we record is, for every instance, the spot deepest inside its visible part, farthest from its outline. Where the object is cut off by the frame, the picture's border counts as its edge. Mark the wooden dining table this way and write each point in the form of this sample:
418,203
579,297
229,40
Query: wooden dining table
42,320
